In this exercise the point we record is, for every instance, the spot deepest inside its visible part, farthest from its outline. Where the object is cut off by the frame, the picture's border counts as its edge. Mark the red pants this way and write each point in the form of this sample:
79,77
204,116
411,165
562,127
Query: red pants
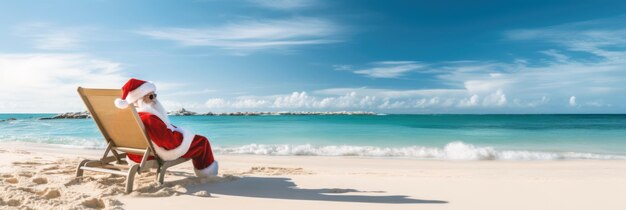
200,153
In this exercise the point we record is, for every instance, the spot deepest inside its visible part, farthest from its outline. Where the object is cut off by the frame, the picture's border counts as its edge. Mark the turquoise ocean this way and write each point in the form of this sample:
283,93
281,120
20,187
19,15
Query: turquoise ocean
445,137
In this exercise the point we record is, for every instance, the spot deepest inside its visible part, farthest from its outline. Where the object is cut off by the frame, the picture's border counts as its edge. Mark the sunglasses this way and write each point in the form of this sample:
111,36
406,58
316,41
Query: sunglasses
152,96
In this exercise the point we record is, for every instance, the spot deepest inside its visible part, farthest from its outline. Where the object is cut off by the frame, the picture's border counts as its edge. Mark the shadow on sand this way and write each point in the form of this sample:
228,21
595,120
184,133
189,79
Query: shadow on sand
284,188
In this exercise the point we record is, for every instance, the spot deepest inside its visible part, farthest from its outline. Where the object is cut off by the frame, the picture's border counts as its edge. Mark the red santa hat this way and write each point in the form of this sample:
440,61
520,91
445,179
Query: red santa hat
134,90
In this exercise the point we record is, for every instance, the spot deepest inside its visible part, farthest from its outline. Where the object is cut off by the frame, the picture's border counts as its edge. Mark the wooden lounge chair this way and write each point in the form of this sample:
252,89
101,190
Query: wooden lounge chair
124,133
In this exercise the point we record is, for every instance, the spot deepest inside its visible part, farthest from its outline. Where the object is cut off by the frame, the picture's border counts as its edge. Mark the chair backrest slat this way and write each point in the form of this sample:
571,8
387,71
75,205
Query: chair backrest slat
123,127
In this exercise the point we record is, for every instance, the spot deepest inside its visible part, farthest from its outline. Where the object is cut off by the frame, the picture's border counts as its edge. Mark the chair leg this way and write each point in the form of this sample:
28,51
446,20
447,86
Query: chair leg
158,170
79,172
131,178
161,174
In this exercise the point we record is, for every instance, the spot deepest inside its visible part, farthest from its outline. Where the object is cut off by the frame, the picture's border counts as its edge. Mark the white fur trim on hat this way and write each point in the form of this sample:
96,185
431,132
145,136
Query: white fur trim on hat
135,95
179,151
209,171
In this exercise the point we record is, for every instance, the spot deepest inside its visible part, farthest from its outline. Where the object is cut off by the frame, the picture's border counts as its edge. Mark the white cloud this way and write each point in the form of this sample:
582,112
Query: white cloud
392,93
522,85
595,36
249,103
497,98
216,103
388,69
47,36
28,80
48,82
531,86
488,86
359,99
342,67
483,86
572,101
469,102
394,62
253,35
284,4
293,101
556,55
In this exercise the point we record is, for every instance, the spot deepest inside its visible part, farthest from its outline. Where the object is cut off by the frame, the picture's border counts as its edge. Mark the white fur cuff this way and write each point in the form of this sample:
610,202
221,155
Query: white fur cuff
179,151
209,171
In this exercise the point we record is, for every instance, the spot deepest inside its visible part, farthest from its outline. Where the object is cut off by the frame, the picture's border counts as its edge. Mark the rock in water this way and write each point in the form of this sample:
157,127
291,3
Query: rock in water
182,112
69,115
9,119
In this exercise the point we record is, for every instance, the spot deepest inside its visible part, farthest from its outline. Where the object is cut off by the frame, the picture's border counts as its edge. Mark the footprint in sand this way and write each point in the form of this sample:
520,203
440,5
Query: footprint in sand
27,164
51,193
14,202
11,180
40,180
93,203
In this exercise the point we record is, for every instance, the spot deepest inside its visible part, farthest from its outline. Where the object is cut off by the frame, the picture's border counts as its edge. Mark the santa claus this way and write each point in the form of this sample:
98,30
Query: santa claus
170,142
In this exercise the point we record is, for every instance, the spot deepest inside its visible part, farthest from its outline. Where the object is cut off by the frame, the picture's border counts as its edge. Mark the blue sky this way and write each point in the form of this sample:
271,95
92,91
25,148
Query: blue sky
313,55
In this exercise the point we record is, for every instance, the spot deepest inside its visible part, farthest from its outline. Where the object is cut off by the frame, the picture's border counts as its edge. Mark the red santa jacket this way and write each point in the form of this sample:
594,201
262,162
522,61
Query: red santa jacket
169,144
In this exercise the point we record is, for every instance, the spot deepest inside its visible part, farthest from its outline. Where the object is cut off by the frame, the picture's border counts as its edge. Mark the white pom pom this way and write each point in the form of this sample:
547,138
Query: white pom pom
122,104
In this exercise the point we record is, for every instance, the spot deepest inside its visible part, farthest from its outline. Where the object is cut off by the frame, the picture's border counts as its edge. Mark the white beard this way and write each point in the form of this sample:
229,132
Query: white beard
155,108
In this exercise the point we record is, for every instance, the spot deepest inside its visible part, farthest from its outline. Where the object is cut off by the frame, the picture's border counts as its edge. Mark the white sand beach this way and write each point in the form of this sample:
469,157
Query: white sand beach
42,177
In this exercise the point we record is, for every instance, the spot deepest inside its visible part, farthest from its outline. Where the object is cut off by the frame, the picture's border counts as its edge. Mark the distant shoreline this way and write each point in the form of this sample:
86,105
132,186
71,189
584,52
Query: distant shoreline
183,112
486,114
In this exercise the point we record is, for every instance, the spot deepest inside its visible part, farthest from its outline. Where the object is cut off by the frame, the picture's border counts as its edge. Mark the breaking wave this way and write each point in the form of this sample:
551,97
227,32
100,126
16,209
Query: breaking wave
452,151
59,141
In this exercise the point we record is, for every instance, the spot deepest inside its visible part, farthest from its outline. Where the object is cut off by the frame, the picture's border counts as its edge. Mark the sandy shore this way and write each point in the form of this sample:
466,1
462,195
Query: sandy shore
42,177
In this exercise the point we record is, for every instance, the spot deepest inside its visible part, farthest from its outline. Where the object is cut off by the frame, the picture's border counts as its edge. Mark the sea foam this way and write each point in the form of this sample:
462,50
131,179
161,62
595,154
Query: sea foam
452,151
